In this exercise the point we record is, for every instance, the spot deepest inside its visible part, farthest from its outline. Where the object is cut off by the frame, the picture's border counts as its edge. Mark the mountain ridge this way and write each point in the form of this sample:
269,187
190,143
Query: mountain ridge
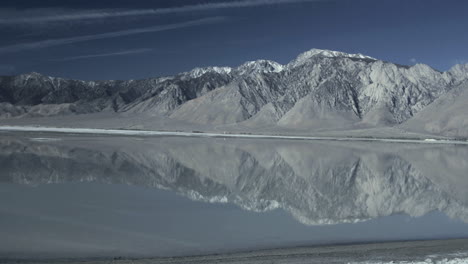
320,90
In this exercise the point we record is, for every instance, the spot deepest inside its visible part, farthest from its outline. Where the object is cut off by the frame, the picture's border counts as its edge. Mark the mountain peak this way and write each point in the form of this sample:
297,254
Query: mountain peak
197,72
326,53
30,74
260,66
460,68
460,71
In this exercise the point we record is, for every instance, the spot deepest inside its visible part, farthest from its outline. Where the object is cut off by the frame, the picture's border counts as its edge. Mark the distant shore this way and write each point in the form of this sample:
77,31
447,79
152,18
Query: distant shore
425,251
130,132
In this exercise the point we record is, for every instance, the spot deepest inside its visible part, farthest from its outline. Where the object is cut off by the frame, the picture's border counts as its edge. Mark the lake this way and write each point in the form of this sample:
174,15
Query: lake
85,196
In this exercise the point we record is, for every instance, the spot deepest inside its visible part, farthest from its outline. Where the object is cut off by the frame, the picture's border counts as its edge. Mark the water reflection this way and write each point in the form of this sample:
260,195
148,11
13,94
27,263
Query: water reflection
316,182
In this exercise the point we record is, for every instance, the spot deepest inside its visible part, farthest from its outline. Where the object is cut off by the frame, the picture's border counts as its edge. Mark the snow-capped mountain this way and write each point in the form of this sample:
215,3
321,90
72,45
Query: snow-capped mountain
304,57
320,90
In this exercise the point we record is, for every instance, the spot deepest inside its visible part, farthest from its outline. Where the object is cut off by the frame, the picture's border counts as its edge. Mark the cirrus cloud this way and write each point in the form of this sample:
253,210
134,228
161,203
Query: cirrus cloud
64,41
112,54
12,17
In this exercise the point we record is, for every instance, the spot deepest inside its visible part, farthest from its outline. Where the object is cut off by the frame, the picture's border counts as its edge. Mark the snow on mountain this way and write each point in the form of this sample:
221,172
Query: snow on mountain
459,71
198,72
323,93
259,66
325,53
319,90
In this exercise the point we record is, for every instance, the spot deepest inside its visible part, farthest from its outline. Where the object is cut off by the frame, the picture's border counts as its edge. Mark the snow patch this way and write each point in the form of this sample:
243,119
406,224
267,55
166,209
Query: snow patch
326,53
198,72
259,66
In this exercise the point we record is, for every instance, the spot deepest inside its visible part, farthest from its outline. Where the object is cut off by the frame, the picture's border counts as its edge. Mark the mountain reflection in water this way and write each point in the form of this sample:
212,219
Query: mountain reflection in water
318,183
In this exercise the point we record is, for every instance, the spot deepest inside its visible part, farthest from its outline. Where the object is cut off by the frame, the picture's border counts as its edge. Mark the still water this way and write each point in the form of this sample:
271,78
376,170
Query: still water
94,196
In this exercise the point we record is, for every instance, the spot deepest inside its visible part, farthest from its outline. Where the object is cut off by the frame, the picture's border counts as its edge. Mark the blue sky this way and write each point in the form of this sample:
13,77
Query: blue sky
138,39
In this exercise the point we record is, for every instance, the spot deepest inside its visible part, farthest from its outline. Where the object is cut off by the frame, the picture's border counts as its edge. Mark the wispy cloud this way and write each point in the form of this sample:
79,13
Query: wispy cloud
107,35
413,60
120,53
104,14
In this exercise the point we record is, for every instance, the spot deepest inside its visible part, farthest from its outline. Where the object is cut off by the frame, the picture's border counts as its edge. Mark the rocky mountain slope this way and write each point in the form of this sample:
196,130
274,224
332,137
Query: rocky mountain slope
447,115
318,91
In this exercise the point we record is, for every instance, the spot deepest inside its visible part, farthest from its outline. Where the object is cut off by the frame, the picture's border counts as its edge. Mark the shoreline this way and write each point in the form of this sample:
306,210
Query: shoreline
129,132
453,250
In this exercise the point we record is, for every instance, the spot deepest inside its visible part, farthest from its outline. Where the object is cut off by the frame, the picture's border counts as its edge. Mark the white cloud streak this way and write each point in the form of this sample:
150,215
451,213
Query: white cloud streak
120,53
105,14
107,35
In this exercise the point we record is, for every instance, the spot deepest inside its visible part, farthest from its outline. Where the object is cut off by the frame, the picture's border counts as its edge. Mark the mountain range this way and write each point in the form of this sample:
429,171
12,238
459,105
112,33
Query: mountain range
319,91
